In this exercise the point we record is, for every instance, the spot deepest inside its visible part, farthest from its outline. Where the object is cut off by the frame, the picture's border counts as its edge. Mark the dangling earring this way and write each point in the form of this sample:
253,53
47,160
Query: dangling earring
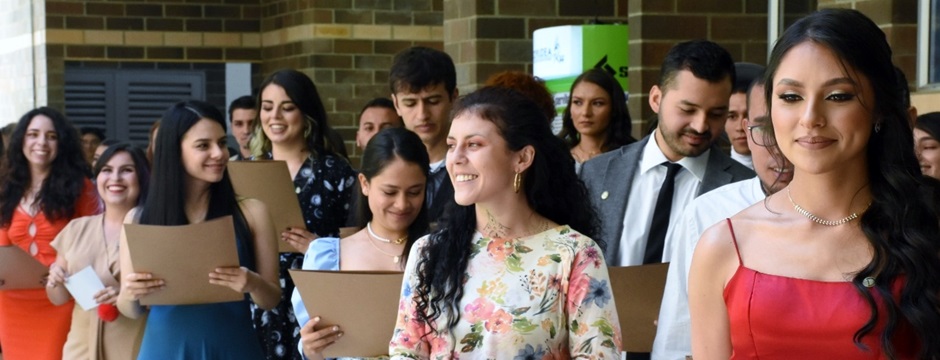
517,183
878,127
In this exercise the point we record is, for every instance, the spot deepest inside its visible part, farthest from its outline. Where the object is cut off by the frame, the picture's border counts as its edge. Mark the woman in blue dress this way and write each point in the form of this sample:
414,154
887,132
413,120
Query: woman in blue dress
190,185
391,208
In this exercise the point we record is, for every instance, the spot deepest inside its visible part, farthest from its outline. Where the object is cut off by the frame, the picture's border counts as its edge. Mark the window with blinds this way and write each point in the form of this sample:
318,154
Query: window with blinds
127,102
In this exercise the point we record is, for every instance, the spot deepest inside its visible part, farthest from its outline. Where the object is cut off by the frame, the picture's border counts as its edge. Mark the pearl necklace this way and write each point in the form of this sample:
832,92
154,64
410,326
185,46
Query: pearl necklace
819,220
372,239
397,241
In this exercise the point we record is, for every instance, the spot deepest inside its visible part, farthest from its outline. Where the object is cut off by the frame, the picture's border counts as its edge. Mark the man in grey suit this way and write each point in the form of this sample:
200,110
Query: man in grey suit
641,188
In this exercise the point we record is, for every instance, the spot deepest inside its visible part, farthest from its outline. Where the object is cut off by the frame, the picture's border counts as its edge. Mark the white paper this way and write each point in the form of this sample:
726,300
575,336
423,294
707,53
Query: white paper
83,286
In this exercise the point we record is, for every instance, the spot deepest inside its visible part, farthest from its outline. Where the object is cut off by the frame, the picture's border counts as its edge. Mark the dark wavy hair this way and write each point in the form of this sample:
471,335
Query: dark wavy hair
303,93
141,165
901,228
165,201
67,173
528,85
551,188
619,126
386,146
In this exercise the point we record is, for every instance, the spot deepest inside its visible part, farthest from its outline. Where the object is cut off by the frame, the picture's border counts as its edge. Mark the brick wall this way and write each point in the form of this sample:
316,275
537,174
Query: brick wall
655,26
346,47
22,65
898,19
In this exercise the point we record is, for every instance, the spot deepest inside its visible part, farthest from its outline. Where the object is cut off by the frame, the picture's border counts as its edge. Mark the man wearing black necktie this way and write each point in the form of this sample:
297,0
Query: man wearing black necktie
640,188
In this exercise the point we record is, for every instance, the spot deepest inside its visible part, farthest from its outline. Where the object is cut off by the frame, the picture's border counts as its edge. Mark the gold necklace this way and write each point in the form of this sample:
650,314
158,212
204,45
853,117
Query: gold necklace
395,258
397,241
819,220
586,155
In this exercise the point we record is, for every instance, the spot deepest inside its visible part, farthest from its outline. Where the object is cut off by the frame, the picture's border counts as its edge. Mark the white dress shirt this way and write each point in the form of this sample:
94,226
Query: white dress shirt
643,193
743,159
674,332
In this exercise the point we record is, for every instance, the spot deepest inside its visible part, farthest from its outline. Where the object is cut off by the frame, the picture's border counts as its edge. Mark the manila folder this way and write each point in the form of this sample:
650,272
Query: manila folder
363,303
184,256
19,270
638,292
269,182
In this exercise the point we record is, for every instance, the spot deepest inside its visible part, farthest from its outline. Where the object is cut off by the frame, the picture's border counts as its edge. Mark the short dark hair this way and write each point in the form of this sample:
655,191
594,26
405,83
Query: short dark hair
243,102
99,132
379,102
418,67
141,165
745,74
705,59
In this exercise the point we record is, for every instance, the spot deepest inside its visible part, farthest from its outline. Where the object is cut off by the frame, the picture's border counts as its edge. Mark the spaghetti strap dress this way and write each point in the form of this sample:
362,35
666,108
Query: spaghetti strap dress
30,326
219,331
779,317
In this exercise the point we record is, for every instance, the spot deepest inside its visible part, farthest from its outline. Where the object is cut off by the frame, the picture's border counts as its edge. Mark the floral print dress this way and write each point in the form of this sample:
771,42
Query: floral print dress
545,296
324,187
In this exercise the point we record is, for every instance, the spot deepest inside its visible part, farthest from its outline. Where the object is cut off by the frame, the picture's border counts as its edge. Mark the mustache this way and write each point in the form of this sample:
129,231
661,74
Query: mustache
692,132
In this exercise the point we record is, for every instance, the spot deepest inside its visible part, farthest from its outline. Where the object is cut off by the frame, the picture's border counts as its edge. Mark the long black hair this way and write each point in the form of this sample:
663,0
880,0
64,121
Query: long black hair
141,165
551,188
165,204
67,173
618,126
386,146
901,228
303,93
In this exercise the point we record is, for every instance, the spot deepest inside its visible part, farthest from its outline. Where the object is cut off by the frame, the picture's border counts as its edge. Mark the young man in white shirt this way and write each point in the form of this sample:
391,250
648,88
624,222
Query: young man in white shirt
423,82
691,101
673,333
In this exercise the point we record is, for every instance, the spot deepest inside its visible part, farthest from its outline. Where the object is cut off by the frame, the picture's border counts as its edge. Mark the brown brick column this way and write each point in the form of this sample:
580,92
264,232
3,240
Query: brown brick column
739,26
898,19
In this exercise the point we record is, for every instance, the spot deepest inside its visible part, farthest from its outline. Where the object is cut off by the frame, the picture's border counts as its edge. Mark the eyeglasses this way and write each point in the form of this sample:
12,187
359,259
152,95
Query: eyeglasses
763,133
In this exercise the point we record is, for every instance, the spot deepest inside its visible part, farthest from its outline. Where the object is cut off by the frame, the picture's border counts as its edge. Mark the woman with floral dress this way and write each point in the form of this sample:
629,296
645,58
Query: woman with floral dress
513,271
293,128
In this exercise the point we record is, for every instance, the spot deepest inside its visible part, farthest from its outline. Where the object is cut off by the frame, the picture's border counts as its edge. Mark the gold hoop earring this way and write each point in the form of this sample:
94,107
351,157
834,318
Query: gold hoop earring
517,182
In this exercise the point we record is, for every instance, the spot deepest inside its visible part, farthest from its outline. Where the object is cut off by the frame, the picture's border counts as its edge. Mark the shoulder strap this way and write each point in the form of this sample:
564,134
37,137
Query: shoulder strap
734,240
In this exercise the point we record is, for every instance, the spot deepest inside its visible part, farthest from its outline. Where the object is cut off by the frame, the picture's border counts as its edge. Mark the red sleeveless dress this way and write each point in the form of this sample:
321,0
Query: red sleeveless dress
778,317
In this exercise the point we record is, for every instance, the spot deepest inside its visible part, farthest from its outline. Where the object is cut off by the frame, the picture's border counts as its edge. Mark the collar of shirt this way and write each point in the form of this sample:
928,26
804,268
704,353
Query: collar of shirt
743,159
653,156
436,166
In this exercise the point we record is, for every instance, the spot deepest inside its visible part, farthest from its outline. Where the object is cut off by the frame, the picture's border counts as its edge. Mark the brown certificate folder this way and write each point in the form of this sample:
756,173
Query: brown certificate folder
270,182
363,303
638,292
184,256
19,270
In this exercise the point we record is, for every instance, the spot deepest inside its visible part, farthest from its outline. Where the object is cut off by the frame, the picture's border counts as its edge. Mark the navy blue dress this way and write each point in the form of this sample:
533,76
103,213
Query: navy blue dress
219,331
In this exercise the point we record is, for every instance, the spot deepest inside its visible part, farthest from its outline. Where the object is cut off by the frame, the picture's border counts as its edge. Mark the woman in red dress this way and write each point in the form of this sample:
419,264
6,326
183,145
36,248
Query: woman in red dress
843,263
45,185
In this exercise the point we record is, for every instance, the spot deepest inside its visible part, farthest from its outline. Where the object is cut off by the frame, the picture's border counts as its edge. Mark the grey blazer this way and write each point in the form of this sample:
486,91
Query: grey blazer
608,178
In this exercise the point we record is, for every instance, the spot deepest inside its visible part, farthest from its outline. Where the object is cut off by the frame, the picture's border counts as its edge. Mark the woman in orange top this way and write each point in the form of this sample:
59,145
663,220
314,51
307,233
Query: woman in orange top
45,185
